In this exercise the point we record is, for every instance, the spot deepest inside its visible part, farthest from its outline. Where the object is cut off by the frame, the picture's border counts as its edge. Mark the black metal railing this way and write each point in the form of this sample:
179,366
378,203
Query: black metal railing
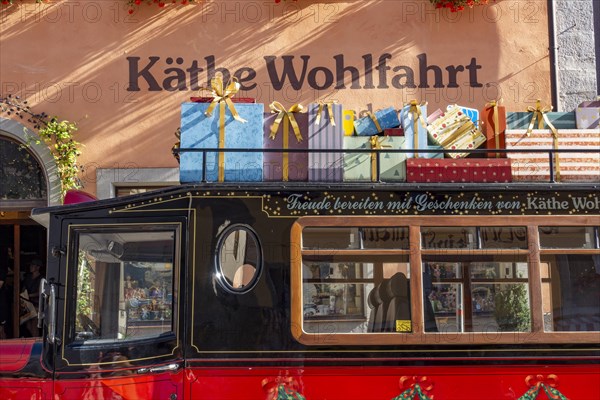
550,153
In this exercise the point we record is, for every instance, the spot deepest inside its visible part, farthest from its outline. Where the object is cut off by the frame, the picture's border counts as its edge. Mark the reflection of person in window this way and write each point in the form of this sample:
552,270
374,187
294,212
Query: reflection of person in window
31,284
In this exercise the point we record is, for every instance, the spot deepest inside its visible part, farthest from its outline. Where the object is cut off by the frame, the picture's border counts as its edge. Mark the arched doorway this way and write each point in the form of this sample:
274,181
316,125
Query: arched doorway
26,182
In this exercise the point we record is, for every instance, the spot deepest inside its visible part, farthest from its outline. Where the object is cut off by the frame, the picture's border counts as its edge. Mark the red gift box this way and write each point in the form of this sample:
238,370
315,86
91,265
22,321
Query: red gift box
393,132
488,128
458,170
234,99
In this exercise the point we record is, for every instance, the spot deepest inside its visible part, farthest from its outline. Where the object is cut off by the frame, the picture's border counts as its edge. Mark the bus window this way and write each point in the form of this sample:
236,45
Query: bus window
477,293
573,296
239,260
427,281
125,283
574,237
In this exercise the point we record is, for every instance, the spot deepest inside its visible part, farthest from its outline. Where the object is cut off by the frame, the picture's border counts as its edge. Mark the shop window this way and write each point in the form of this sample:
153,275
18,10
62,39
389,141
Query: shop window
125,280
239,258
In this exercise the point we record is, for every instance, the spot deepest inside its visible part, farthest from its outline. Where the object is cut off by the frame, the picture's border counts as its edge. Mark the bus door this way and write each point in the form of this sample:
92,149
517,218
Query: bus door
117,329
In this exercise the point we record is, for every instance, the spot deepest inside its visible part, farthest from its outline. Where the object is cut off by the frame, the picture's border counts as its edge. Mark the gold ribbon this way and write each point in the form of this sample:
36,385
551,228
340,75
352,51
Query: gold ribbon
494,105
288,119
539,114
222,96
374,119
375,145
329,106
415,110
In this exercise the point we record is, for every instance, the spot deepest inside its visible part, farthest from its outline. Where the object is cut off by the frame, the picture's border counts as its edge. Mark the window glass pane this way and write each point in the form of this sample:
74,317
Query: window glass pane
385,238
344,295
476,293
330,238
504,237
21,177
448,237
239,260
573,237
124,284
571,292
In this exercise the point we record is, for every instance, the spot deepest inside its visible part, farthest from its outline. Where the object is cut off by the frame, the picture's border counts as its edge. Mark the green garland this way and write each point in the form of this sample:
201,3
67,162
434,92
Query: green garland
288,394
56,134
411,393
551,392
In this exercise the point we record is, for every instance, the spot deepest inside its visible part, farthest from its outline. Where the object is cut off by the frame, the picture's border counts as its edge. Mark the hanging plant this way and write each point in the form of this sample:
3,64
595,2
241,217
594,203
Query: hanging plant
56,134
458,5
132,4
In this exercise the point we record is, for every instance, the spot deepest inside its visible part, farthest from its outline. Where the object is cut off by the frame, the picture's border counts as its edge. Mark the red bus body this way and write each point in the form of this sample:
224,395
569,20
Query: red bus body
253,341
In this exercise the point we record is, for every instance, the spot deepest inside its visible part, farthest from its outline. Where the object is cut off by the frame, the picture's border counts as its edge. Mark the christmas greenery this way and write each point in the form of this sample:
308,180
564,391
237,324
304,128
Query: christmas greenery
57,134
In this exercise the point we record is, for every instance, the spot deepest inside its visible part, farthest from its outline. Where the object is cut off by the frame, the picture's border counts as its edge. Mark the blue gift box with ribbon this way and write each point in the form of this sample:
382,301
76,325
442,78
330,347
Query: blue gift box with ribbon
199,130
415,114
374,124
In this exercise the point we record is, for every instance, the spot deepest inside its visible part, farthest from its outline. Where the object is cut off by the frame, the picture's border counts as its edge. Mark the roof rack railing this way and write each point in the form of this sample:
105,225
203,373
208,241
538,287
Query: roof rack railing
549,152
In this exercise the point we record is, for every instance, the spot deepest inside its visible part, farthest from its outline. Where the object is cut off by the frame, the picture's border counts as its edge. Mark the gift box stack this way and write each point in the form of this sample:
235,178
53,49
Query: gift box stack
376,132
321,140
456,129
541,129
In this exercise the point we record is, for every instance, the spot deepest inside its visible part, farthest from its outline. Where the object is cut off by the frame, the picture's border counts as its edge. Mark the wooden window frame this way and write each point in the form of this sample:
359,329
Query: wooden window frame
419,336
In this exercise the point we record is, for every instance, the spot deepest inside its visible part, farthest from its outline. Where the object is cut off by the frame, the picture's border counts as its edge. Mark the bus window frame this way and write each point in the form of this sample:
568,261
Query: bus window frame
418,336
69,347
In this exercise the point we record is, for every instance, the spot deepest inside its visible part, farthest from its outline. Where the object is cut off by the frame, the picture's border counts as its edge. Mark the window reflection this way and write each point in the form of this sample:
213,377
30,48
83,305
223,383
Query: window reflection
124,284
21,176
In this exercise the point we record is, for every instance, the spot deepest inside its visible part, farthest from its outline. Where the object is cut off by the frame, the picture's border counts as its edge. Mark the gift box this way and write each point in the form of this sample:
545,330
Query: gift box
209,125
412,116
493,125
393,132
434,115
472,113
568,167
363,166
325,131
348,124
560,120
374,124
280,132
454,131
233,99
458,171
587,115
471,138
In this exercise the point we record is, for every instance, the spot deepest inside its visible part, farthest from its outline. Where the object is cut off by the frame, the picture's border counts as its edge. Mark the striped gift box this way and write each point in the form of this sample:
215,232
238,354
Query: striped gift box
325,167
574,167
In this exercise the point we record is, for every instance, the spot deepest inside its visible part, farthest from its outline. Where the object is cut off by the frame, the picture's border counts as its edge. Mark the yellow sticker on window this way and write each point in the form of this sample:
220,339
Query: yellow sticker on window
403,325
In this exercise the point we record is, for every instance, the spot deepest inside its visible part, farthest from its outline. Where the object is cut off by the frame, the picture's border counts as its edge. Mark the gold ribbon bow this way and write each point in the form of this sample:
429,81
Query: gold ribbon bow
539,114
329,106
222,96
415,110
376,144
287,116
494,105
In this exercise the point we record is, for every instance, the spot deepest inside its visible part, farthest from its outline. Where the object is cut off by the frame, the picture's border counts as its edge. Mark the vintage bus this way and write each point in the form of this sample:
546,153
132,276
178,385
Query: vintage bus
359,291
